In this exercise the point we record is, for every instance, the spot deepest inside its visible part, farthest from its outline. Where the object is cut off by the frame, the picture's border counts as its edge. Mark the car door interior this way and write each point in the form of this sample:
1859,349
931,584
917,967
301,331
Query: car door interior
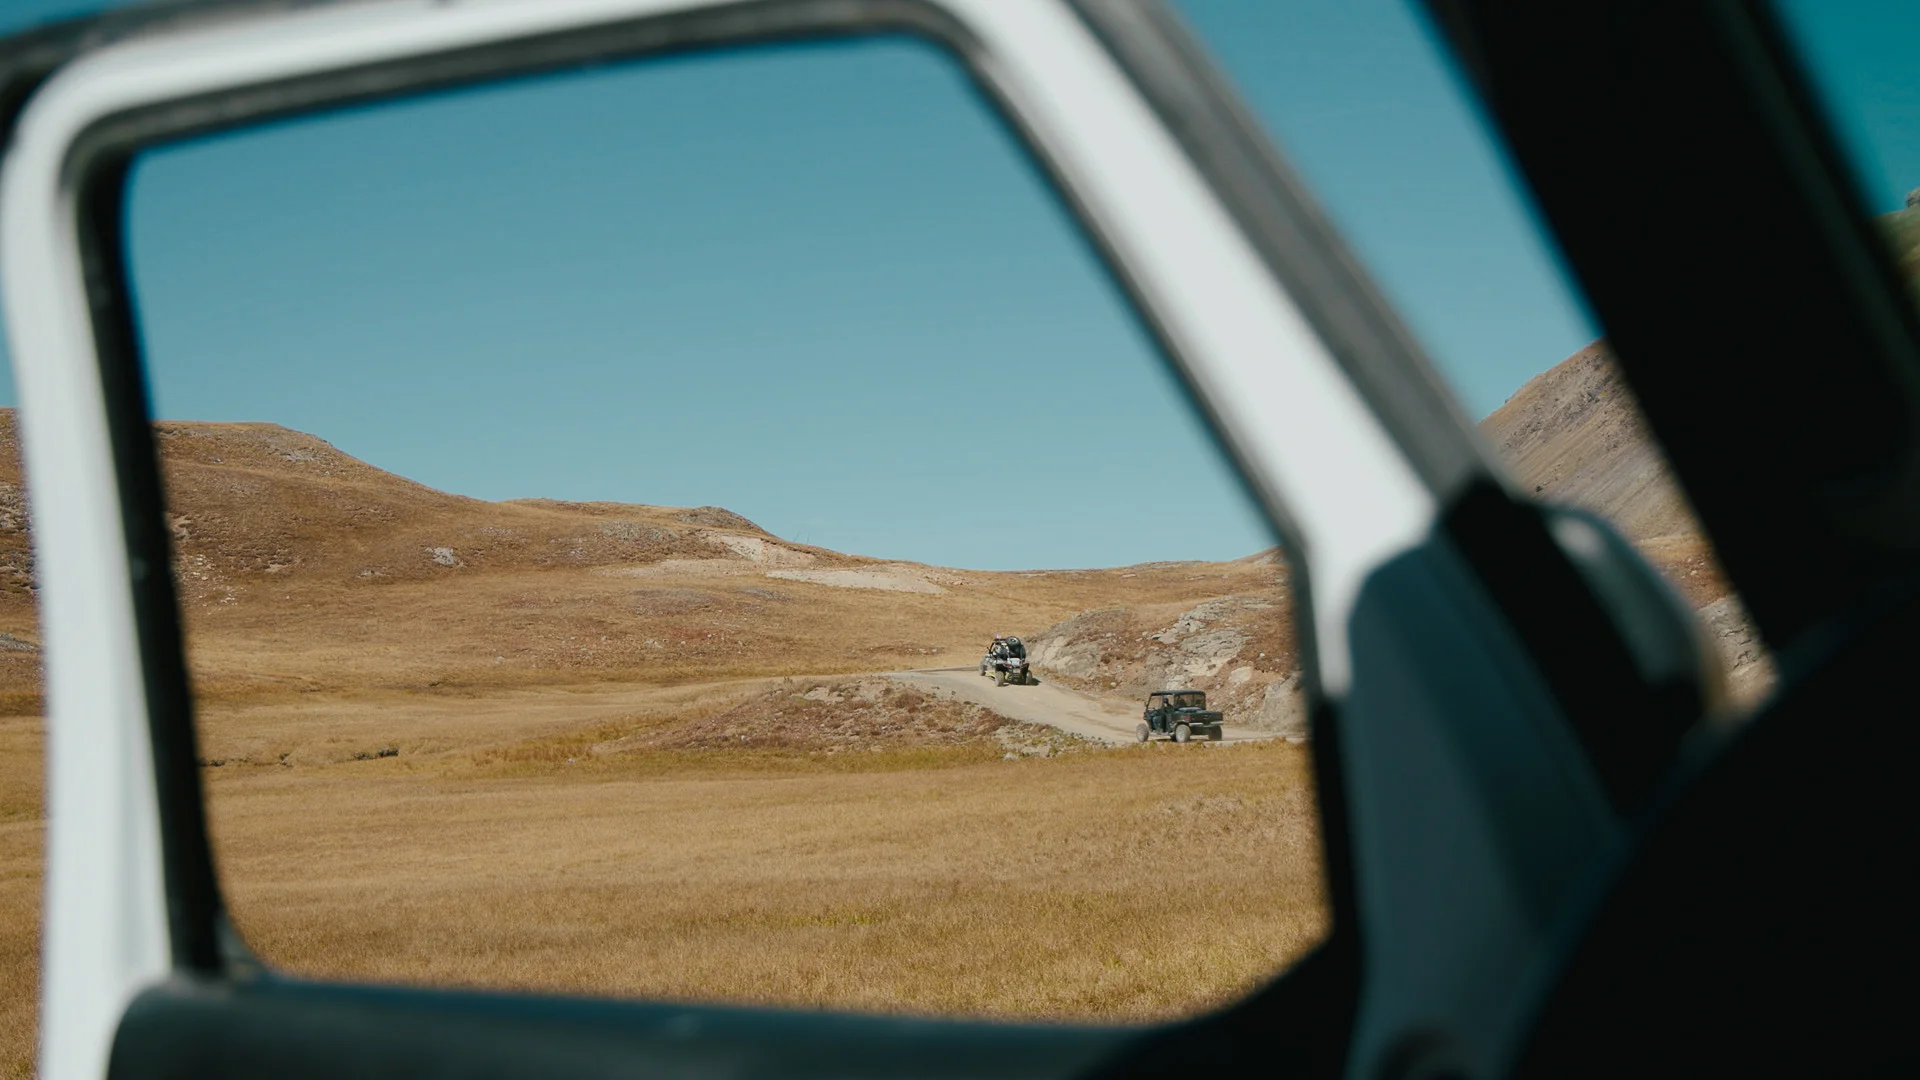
1500,691
1763,923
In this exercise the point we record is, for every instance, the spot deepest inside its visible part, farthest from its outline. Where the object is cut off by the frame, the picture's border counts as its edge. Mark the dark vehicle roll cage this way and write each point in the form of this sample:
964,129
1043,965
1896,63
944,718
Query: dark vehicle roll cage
1172,698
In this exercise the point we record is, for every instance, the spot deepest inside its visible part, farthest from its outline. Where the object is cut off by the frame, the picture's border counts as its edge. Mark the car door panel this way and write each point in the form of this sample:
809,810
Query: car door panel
1476,826
1763,922
270,1026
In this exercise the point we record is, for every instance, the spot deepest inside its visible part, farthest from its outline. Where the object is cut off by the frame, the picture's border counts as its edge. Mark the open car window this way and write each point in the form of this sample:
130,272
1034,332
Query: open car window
527,468
307,608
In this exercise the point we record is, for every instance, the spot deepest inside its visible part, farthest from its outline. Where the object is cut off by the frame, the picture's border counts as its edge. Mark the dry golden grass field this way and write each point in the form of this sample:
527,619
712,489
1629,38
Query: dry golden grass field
644,751
596,839
1129,884
640,750
21,749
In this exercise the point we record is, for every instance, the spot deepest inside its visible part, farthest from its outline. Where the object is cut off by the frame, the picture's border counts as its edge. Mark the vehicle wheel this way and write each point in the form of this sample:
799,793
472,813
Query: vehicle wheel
1144,732
999,678
1181,733
1214,733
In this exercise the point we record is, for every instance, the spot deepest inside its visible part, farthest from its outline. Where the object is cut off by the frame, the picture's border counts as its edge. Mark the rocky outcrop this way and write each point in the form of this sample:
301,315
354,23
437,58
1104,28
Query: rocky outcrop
1085,649
1283,709
1744,657
1224,645
1574,435
715,517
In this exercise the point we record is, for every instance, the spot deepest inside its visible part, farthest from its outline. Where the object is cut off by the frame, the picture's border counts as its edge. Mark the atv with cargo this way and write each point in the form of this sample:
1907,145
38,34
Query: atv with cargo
1179,715
1006,661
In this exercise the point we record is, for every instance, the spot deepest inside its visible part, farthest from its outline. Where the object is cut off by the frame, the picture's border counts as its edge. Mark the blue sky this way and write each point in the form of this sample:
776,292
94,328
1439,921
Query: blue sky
814,285
1862,56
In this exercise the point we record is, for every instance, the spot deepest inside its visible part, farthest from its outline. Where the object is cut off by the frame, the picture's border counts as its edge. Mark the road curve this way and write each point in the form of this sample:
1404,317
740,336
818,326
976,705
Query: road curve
1048,703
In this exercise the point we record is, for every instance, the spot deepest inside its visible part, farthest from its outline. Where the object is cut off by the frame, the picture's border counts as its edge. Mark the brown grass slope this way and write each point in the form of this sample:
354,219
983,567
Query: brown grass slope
1112,885
302,569
1574,434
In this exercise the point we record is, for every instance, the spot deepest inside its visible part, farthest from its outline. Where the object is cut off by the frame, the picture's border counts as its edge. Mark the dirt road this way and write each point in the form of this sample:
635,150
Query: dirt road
1048,703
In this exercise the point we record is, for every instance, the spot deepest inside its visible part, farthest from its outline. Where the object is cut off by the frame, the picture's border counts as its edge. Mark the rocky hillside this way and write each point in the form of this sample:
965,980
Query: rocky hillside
1238,647
19,655
258,499
1572,435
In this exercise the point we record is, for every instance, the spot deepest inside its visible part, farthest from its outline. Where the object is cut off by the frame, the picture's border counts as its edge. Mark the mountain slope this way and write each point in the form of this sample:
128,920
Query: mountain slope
303,569
1574,434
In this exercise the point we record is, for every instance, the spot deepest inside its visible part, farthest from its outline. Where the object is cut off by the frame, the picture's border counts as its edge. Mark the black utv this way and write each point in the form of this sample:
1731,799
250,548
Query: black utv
1179,715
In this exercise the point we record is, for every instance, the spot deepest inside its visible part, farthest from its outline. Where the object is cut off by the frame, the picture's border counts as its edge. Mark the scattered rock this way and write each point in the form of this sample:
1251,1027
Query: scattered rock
1748,664
444,556
638,532
839,717
1283,710
1211,611
13,507
713,517
758,551
1078,647
1209,652
886,578
1574,434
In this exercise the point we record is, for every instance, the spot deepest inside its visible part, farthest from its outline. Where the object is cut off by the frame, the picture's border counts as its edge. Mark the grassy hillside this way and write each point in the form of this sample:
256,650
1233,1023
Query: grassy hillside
303,570
638,749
